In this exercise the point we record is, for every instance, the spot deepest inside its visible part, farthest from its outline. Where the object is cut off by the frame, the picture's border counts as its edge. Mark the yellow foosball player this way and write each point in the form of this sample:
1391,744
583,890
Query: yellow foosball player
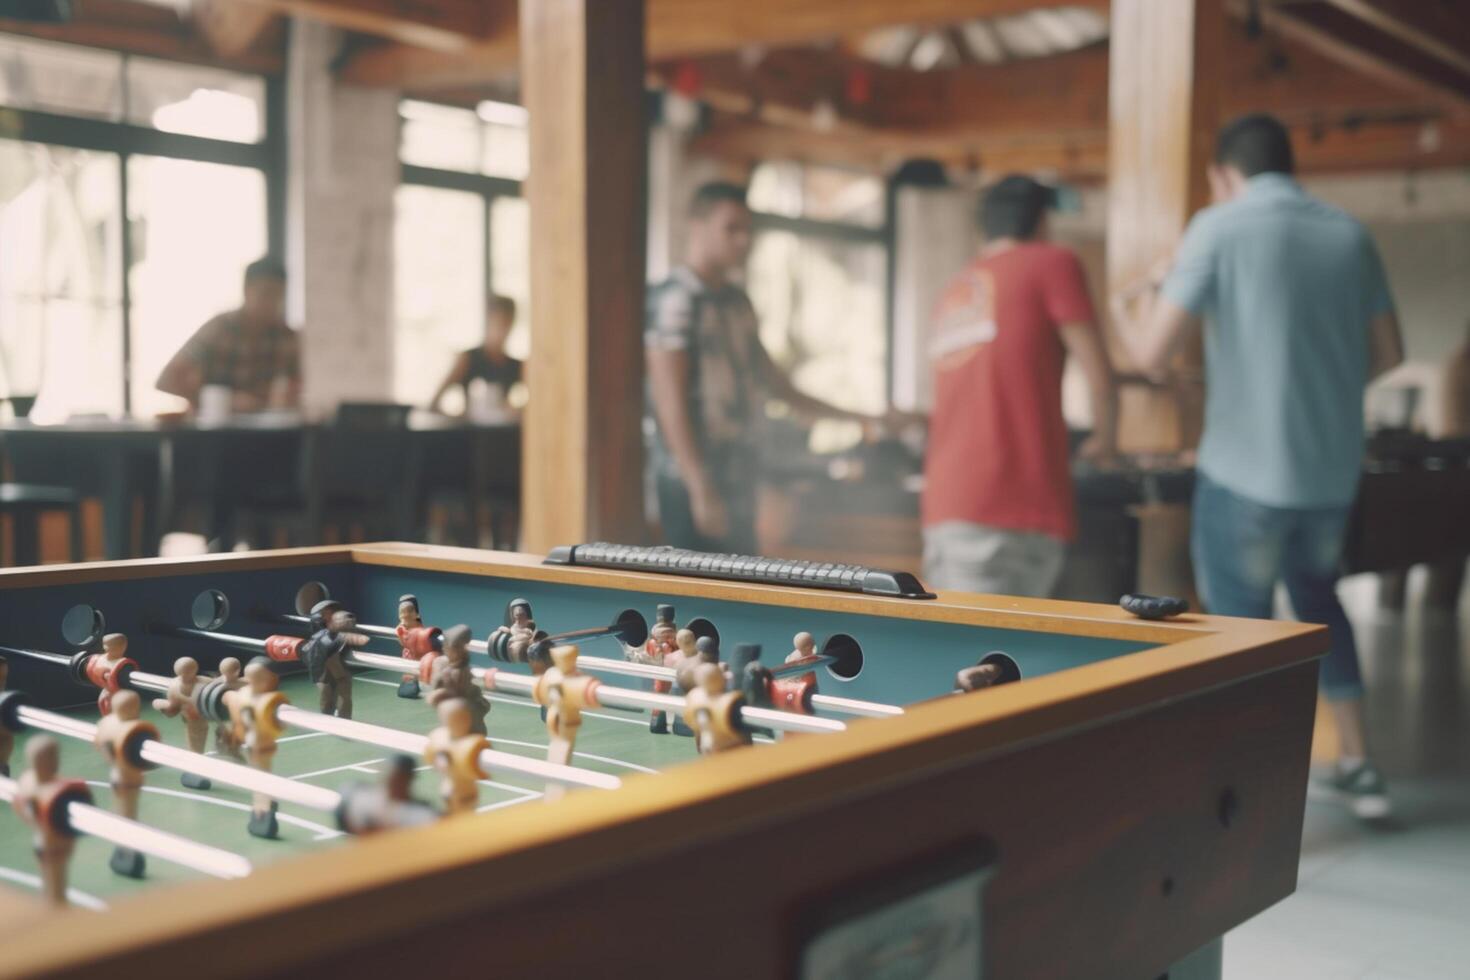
181,702
454,752
713,713
40,798
453,678
253,714
563,692
120,737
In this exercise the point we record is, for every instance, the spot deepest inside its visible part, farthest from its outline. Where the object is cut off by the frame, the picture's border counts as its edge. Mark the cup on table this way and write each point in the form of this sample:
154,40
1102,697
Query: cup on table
215,403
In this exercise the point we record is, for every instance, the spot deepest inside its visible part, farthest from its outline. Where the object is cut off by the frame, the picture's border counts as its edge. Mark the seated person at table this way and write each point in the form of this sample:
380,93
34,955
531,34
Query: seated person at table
487,363
998,507
250,351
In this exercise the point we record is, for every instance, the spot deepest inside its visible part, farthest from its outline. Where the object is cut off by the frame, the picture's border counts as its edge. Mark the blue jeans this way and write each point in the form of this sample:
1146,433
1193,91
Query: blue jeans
1242,549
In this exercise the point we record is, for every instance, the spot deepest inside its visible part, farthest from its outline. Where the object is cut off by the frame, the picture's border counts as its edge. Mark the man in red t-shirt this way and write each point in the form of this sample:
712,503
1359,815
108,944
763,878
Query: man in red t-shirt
998,508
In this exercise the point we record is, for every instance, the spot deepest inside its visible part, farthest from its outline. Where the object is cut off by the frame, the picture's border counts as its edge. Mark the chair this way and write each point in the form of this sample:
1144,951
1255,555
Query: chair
25,503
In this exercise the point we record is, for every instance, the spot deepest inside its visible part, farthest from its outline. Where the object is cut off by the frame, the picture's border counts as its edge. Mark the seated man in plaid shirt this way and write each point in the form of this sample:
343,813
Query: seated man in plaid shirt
251,351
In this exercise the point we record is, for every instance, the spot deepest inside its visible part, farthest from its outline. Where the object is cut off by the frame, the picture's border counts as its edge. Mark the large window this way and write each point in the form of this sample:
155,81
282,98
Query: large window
819,279
461,232
132,195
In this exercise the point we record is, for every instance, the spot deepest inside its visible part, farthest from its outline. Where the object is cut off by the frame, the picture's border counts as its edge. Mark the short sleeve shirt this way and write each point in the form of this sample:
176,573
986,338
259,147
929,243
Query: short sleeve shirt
719,330
1288,286
998,449
244,360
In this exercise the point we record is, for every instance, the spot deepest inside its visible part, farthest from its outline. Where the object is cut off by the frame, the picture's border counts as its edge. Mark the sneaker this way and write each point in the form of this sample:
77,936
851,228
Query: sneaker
1361,788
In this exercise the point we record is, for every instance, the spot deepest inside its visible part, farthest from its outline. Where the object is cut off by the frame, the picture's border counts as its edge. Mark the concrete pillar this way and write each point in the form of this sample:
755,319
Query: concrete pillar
341,176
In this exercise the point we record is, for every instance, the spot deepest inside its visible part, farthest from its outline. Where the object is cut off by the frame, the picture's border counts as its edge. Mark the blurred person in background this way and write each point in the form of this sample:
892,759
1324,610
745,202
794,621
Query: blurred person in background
487,364
708,383
1300,320
998,507
249,351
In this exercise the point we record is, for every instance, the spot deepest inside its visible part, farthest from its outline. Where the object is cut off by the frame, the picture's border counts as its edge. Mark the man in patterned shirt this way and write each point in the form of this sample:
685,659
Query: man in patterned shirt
709,380
251,351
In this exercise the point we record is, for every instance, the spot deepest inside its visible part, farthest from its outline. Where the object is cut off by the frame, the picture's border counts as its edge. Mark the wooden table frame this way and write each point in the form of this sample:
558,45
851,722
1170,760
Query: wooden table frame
1141,807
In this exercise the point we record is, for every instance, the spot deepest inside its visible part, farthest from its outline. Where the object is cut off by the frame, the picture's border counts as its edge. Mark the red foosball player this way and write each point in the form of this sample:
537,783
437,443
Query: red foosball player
713,713
40,798
181,701
661,644
107,671
323,653
418,642
564,692
253,713
225,742
454,752
453,678
389,804
7,738
120,737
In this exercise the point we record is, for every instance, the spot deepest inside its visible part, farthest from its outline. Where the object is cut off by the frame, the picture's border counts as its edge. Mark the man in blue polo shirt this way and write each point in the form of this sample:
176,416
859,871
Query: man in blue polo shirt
1300,320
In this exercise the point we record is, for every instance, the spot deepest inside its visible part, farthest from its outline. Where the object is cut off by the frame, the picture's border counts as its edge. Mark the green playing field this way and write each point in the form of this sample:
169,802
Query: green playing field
610,741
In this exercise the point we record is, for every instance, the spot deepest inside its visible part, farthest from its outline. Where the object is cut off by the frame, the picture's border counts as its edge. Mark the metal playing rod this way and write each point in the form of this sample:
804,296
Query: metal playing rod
87,819
475,646
849,706
171,757
618,697
357,731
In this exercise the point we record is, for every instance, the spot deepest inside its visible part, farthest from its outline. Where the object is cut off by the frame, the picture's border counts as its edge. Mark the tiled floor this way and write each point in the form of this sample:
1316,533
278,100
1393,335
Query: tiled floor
1390,902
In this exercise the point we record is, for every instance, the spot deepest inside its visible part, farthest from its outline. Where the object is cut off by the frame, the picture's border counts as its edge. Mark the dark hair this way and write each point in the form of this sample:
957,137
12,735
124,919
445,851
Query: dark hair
410,598
1013,206
265,268
503,305
715,192
1255,144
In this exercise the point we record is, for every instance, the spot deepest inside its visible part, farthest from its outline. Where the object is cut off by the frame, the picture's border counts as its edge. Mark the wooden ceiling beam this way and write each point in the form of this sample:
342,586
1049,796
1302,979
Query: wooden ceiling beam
1358,45
1439,29
144,29
675,29
432,25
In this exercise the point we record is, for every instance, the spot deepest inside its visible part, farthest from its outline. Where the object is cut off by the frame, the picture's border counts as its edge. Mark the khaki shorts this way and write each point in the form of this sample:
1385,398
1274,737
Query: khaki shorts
966,557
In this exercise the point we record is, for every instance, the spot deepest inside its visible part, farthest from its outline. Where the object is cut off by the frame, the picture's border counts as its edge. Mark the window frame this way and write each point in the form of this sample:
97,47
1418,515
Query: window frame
882,235
126,139
488,188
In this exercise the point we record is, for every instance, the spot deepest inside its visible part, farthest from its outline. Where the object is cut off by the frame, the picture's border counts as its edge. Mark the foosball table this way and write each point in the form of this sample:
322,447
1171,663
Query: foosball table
630,763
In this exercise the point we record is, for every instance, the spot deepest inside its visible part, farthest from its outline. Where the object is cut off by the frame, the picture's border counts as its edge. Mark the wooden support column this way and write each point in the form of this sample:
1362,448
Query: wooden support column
1165,63
582,74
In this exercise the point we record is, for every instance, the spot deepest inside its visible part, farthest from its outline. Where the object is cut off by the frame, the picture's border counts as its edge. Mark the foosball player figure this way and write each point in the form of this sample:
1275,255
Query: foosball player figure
977,677
389,804
419,643
181,701
120,737
225,742
41,798
454,752
745,673
323,654
563,691
106,670
661,644
253,714
453,678
713,713
513,643
705,650
7,738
